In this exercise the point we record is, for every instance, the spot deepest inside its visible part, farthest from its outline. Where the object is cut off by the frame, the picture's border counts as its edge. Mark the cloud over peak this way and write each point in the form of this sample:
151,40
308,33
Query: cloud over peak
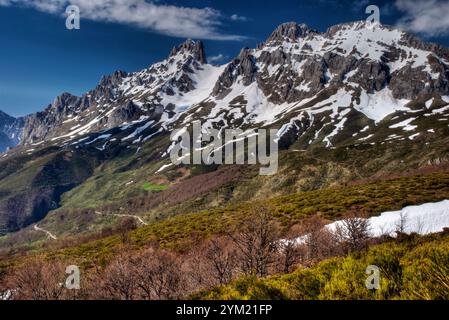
428,17
176,21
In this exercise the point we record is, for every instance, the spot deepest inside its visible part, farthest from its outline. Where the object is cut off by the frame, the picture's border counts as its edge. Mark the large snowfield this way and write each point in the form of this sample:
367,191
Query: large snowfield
422,219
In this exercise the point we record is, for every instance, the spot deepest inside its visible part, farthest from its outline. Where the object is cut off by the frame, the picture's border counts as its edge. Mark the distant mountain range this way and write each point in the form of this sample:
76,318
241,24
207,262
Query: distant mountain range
10,130
304,81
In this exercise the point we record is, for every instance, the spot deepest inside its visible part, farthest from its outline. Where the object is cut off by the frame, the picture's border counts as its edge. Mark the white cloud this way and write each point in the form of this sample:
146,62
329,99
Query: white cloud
170,20
217,58
236,17
428,17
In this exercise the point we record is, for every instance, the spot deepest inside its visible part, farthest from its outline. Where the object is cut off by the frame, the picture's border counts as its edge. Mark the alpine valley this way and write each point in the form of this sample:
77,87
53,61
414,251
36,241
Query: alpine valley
363,117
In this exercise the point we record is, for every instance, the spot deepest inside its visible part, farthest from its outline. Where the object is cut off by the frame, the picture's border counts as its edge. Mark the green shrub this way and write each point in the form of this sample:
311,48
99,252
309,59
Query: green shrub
426,272
415,269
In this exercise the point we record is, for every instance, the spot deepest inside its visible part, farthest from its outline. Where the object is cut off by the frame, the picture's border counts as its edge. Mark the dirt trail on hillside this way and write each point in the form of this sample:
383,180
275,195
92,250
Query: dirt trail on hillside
125,215
49,234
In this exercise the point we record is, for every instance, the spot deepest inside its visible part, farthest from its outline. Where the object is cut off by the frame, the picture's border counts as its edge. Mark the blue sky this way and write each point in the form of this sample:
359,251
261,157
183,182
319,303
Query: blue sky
40,58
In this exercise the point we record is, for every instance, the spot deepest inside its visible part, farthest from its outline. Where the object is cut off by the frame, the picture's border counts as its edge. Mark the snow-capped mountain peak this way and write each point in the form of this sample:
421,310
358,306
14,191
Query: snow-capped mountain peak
124,97
190,47
289,32
305,82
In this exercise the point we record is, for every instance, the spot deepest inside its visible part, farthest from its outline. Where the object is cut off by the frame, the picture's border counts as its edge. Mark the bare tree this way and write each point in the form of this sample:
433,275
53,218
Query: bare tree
221,255
353,232
288,256
211,263
291,250
37,280
257,242
118,281
402,224
319,243
152,274
196,270
158,275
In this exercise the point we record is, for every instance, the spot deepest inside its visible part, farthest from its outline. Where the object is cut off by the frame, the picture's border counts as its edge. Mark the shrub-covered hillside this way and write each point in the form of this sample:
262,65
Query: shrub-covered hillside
414,269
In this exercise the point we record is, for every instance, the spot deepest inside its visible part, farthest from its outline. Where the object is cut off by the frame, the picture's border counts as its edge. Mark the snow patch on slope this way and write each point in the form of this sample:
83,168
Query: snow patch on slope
378,105
204,80
422,219
405,125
